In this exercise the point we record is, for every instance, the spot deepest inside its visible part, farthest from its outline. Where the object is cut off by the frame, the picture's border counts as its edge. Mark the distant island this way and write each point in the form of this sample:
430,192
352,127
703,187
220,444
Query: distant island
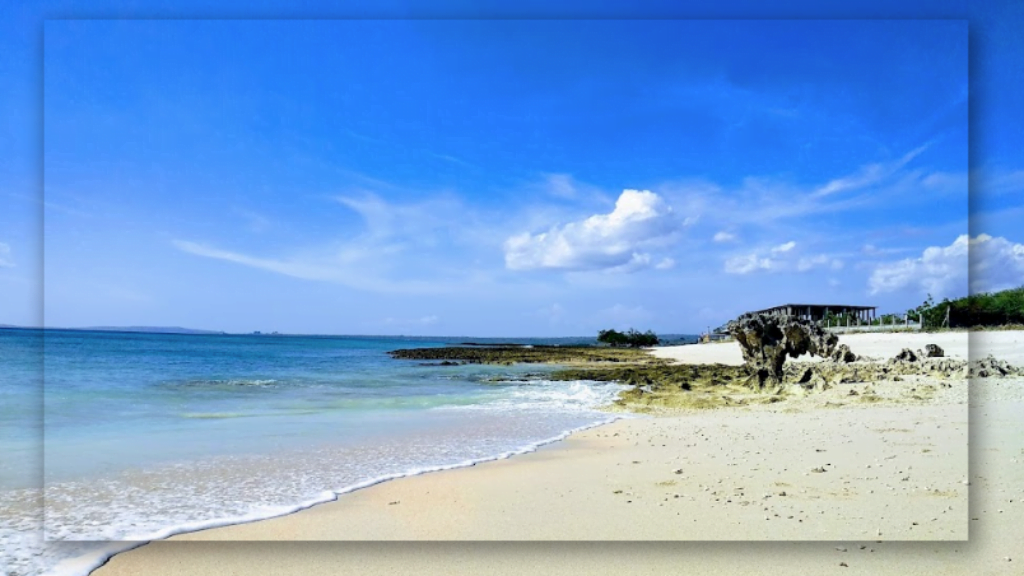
149,329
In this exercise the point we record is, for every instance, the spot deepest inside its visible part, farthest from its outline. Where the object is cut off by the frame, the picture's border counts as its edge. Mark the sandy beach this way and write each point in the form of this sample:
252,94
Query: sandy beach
827,467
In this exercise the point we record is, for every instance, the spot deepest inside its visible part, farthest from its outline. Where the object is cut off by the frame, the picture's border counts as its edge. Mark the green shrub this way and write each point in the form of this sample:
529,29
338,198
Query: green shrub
985,309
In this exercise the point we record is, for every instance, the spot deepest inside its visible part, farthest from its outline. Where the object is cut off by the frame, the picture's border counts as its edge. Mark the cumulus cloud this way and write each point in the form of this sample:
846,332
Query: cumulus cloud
613,242
5,256
995,264
724,236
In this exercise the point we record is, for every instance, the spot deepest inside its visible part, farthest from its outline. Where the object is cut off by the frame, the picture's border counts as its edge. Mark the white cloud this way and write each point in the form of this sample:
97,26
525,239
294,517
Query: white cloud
995,264
346,267
5,256
666,264
784,247
420,221
778,258
868,175
872,250
724,236
611,242
747,263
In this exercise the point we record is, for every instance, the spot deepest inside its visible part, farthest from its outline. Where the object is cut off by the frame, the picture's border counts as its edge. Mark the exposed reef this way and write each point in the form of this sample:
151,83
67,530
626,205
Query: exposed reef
527,355
657,385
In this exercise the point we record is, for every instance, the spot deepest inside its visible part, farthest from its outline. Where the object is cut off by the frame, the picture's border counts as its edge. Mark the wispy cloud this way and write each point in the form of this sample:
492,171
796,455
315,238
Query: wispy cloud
783,257
869,174
768,201
345,268
561,186
421,222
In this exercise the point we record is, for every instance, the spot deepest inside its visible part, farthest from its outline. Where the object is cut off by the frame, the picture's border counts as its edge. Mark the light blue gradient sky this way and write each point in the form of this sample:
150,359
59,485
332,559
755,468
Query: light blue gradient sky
462,177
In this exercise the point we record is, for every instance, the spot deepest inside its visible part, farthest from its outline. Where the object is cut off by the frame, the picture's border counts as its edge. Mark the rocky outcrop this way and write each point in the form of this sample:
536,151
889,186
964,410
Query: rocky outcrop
934,351
990,367
843,354
906,355
767,340
942,368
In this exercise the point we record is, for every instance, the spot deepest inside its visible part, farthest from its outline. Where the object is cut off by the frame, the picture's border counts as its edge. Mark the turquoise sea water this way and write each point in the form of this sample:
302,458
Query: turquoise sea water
146,435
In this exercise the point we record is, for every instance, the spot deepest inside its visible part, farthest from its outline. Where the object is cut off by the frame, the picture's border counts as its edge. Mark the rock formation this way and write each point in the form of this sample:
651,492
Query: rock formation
990,367
907,355
844,354
766,341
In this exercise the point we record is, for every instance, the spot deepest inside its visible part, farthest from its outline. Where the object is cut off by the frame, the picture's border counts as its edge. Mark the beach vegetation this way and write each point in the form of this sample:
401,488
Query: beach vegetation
631,338
988,309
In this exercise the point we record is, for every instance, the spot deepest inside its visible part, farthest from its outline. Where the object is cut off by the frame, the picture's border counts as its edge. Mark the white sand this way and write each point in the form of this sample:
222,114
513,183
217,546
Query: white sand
917,455
1006,345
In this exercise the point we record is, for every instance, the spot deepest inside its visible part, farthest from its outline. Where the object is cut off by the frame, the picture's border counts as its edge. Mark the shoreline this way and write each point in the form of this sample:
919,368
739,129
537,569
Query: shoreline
470,509
95,561
421,516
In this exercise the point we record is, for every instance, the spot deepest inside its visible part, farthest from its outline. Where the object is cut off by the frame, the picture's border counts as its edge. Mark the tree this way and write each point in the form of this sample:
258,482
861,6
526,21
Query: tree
612,338
984,309
631,338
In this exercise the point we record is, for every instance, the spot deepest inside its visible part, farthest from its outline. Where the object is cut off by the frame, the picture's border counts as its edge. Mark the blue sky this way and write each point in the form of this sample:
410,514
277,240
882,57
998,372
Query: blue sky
512,177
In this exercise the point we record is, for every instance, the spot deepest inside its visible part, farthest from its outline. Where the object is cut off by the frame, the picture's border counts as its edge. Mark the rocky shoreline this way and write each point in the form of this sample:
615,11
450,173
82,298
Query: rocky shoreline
657,385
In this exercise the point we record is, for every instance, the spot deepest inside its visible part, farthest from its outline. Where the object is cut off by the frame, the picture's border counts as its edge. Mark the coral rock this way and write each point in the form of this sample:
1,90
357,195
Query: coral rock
766,341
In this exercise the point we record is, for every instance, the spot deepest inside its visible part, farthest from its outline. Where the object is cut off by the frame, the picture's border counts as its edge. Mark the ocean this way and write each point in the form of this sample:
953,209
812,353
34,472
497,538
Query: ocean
148,435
